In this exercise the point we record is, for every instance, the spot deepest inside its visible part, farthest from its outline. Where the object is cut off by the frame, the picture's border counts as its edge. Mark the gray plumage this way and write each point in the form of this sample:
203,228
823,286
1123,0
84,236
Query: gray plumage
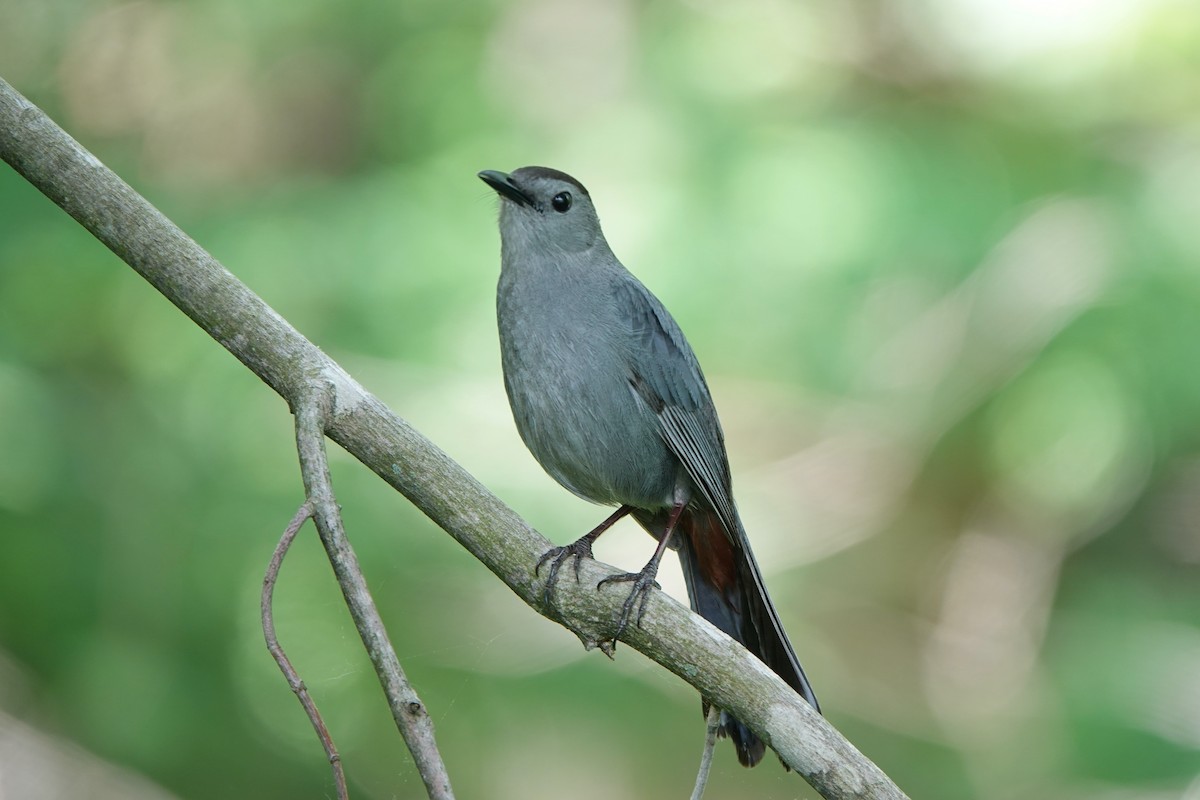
610,399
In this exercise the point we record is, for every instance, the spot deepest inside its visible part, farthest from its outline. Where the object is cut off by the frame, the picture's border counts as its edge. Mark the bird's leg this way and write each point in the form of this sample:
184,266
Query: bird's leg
643,581
580,548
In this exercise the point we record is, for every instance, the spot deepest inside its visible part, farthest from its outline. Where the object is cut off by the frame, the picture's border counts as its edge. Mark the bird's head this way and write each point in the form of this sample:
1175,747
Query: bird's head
542,209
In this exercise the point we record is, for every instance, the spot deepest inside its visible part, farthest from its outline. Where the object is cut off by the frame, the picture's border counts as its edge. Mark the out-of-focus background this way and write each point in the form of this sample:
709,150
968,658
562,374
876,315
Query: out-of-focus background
940,259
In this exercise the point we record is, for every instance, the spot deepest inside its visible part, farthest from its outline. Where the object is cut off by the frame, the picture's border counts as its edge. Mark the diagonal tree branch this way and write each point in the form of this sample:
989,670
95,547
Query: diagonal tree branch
723,671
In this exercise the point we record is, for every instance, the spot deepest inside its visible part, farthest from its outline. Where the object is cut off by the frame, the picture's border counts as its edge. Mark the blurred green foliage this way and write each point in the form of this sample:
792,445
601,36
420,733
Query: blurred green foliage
939,260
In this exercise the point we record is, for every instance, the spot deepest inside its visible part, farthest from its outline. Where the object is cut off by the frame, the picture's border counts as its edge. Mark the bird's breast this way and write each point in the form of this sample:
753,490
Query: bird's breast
567,374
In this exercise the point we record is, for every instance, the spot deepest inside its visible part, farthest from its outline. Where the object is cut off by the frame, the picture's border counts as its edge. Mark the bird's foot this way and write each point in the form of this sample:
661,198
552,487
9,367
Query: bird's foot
579,549
643,584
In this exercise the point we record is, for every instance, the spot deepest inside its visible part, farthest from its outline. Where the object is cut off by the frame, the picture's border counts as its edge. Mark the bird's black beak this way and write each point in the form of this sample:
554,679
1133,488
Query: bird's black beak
505,187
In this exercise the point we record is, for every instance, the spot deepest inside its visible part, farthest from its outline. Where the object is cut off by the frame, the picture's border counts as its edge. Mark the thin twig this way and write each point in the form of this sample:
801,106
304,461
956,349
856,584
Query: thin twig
407,709
712,725
285,664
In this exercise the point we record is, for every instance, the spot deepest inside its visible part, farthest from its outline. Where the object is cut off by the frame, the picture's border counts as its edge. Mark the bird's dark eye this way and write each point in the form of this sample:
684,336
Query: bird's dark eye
561,202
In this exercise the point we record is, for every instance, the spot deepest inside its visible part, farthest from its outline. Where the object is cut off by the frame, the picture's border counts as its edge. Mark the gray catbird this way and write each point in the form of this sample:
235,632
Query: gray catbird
609,397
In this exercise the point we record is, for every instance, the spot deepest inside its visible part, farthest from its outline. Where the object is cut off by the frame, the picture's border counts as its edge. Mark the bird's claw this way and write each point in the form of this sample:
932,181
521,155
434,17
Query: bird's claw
643,583
578,550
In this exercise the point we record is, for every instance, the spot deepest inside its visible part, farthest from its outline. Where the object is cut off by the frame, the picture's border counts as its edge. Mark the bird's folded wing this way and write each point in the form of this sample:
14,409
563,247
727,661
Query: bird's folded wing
666,376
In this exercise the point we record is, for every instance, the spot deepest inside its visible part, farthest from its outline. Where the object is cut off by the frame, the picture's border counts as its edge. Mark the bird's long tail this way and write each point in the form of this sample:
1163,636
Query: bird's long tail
726,588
